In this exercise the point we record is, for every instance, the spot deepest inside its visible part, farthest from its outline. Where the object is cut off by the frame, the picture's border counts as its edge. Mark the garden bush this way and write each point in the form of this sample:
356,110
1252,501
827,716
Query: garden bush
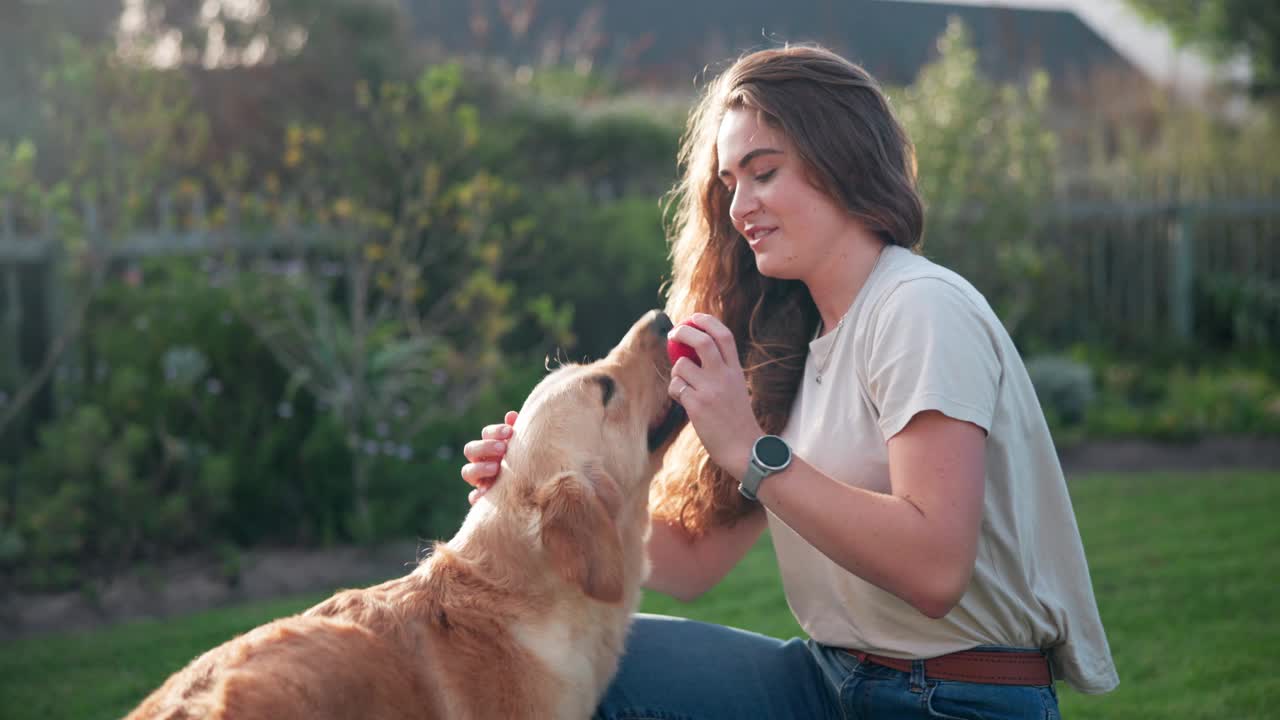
1184,404
184,435
1064,388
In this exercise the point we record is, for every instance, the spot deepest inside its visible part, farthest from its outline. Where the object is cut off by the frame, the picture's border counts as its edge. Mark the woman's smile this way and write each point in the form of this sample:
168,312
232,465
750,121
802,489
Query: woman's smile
756,233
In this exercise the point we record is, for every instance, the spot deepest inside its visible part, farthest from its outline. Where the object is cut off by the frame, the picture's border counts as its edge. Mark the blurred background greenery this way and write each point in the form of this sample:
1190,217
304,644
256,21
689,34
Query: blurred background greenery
266,266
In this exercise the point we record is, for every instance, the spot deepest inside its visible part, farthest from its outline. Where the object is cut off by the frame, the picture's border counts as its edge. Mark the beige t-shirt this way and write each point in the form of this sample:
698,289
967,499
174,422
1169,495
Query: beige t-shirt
919,337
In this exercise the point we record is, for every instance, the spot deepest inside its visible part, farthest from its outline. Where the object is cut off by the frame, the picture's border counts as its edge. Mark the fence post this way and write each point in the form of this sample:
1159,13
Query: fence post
55,297
93,237
198,234
165,212
231,229
1181,273
13,295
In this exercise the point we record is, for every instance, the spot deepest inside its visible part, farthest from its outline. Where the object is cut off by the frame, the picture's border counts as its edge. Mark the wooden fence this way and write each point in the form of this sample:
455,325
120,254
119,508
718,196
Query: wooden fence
1138,274
1188,269
1123,273
34,292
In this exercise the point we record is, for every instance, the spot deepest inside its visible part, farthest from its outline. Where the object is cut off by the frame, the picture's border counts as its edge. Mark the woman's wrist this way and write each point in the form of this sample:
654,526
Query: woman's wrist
737,457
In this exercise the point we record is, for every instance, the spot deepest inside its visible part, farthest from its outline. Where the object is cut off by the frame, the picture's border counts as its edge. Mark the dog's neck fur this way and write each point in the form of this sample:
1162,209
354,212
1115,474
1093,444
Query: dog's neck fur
496,556
481,538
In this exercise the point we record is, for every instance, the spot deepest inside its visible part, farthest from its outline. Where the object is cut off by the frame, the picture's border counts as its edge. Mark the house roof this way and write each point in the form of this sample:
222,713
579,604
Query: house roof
668,42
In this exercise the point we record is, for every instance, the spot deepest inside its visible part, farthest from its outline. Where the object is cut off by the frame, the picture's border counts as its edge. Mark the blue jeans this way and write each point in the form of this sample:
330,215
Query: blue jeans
676,669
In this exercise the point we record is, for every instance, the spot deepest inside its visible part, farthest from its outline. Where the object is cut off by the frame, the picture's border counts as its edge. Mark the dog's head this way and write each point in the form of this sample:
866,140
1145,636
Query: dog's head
587,443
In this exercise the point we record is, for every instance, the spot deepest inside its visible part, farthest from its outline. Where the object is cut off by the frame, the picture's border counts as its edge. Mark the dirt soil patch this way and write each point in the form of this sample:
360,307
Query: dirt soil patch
193,584
1234,453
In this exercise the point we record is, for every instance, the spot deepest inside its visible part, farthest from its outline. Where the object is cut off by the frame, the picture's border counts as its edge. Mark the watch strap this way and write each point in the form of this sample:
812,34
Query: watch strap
750,484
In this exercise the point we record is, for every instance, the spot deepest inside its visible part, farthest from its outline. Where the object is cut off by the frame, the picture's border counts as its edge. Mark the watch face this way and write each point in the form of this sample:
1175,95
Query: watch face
772,452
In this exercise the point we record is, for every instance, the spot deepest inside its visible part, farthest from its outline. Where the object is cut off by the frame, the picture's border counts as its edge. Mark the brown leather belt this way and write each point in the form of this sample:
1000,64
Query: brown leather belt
977,666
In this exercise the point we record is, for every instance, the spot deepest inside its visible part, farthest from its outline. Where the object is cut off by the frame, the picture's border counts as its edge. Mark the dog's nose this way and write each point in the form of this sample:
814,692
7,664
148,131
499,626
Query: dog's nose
661,323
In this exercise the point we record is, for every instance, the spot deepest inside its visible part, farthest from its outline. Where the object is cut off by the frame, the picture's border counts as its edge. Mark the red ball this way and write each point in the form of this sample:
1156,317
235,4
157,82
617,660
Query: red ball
677,350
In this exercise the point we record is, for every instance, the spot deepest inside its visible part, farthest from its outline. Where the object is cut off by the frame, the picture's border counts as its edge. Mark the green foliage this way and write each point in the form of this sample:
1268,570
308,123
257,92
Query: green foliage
614,149
1239,314
112,137
332,388
977,142
1225,28
185,436
118,134
991,171
1093,393
1187,154
407,326
342,36
570,82
628,260
985,159
16,166
1182,404
29,39
161,437
1064,387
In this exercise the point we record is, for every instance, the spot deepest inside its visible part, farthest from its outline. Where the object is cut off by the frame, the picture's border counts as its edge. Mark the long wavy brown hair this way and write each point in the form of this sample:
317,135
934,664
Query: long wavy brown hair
854,150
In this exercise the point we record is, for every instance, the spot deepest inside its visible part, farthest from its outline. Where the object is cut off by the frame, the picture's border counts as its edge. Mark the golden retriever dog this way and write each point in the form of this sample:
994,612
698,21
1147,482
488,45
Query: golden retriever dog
523,614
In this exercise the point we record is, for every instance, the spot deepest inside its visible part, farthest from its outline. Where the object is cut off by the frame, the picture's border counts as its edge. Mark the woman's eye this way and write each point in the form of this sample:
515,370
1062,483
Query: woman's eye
766,176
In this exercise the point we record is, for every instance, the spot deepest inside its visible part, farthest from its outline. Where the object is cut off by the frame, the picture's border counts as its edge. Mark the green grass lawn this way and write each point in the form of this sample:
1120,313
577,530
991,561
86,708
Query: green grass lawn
1186,570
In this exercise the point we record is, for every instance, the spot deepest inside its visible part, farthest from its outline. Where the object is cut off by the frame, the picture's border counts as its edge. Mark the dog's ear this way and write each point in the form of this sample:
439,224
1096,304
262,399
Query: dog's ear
579,532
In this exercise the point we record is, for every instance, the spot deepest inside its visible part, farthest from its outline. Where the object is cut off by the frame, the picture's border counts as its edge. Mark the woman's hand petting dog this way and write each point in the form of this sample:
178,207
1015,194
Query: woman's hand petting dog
484,456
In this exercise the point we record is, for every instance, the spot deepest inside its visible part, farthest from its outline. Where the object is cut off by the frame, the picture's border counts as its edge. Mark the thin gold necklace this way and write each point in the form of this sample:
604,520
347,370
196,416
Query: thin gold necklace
835,339
822,365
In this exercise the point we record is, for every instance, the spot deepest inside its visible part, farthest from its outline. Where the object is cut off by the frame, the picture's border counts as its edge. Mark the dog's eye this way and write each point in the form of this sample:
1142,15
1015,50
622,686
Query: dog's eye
607,387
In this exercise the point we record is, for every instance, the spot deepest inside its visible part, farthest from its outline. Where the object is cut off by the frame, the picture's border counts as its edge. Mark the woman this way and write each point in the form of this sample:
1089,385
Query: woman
923,530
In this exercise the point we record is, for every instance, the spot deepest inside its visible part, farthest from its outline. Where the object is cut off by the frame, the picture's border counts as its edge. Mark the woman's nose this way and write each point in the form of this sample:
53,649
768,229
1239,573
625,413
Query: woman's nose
742,205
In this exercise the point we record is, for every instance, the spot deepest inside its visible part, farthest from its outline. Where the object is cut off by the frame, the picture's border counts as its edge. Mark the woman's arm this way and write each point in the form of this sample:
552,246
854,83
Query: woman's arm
921,541
685,568
918,542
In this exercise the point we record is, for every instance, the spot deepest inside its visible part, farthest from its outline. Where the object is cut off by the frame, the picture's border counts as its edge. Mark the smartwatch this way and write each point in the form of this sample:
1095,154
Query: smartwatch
770,454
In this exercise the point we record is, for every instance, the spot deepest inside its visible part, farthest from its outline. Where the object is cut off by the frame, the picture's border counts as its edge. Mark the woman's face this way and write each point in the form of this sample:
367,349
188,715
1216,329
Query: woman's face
790,225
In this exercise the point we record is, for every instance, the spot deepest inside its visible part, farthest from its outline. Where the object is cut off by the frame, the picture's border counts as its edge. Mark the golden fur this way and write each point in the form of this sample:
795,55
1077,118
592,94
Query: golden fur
522,614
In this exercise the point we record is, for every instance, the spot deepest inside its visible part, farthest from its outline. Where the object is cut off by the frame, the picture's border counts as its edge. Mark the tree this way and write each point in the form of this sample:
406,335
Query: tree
985,166
114,137
1226,28
397,322
30,37
348,35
